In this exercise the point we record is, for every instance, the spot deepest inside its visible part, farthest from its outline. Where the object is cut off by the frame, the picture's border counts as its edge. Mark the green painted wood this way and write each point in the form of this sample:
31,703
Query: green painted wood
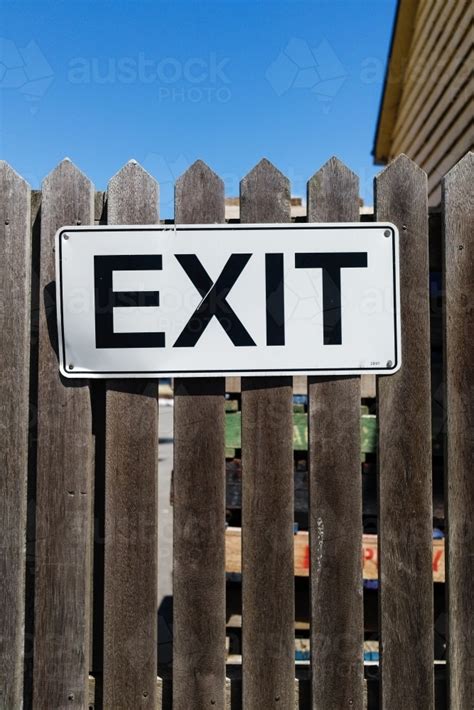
231,405
368,432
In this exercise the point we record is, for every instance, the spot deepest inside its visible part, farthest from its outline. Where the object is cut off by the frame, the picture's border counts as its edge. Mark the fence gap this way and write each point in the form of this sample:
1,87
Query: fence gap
199,498
268,646
98,539
64,472
459,382
404,457
15,284
335,483
131,506
32,449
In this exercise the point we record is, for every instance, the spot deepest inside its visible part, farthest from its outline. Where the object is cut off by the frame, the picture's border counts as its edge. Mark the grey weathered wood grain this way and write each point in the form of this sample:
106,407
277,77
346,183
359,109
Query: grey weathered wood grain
273,190
199,498
131,511
458,206
15,283
405,486
335,481
199,194
64,472
267,497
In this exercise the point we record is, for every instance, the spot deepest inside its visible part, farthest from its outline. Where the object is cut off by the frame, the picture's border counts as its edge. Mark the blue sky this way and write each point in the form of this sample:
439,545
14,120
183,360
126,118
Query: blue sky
167,82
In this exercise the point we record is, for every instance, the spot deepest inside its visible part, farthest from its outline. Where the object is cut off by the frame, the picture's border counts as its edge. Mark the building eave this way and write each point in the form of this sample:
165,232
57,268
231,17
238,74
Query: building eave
400,44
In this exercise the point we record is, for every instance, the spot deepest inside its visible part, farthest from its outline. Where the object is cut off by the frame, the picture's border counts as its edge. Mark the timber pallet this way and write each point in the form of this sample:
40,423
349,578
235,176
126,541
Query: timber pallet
369,555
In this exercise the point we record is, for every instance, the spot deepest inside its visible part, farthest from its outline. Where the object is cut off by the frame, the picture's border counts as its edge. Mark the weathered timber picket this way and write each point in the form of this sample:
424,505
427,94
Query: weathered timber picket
405,490
267,496
15,280
458,203
131,520
337,624
105,437
64,476
199,497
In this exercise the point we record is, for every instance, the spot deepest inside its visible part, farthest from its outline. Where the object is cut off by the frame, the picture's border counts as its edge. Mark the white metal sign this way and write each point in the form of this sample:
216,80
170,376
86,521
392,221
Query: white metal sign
194,300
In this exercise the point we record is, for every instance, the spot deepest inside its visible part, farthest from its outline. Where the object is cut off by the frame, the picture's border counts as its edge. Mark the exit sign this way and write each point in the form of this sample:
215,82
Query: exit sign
213,300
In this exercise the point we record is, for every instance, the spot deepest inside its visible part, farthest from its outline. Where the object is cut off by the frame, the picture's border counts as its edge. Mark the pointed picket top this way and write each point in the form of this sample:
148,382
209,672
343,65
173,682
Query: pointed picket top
199,196
199,168
333,193
399,186
132,196
67,198
15,209
265,195
402,166
265,166
333,166
131,167
65,171
460,172
10,175
458,222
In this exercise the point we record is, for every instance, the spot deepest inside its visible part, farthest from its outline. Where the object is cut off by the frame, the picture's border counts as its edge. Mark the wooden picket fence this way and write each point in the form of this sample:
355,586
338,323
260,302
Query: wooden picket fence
77,632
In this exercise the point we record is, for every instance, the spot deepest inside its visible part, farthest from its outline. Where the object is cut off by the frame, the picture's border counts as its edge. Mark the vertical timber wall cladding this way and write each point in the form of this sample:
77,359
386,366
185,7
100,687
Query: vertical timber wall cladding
45,647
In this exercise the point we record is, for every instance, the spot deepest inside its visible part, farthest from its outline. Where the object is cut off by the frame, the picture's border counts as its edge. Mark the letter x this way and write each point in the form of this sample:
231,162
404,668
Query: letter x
214,301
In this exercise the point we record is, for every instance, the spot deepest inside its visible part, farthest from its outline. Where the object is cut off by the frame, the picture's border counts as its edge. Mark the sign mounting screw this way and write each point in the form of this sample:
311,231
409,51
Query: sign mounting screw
387,233
70,366
389,363
66,236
